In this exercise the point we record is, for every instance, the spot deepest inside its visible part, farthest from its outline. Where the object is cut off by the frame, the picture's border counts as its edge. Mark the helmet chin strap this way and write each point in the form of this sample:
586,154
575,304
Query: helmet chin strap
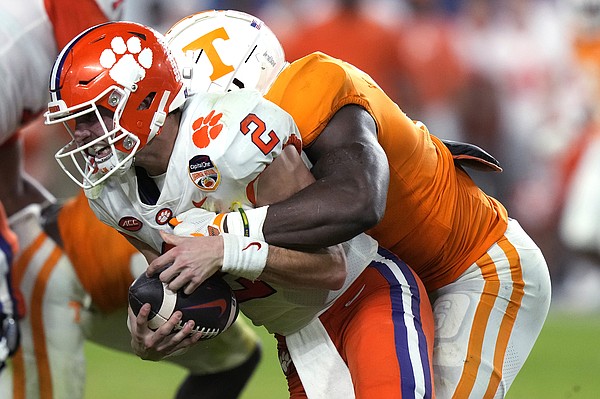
159,116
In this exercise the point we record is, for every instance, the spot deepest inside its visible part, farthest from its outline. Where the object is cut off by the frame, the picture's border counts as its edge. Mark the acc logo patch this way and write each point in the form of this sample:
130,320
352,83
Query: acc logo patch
163,216
204,173
130,223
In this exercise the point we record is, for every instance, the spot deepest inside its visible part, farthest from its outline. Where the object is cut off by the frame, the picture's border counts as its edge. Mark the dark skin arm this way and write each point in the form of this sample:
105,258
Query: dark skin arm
349,196
193,259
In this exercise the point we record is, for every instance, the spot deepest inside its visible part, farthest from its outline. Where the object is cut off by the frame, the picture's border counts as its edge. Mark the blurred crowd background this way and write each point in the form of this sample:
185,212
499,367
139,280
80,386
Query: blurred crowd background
520,78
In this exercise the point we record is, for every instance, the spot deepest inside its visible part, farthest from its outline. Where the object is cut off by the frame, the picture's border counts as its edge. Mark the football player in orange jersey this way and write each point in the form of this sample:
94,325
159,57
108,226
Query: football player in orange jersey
56,292
379,171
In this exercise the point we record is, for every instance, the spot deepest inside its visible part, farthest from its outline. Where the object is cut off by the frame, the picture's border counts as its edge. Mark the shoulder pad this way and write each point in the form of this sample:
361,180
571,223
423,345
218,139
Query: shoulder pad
471,156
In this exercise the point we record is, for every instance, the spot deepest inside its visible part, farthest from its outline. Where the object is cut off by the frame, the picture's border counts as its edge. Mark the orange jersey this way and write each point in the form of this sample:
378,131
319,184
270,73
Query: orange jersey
70,17
99,254
436,219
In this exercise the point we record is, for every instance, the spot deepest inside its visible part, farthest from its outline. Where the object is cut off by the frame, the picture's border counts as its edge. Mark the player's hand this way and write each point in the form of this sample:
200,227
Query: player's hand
162,343
196,222
190,261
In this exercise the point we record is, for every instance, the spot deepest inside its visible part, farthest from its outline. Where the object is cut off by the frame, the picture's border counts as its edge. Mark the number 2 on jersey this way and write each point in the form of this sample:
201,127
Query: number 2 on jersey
256,127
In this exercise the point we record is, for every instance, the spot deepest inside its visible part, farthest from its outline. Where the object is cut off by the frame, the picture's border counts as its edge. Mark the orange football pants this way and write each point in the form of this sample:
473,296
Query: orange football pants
382,326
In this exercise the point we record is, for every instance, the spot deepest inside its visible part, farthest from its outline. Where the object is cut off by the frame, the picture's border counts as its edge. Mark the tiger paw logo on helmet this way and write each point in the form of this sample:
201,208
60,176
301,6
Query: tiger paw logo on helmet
124,57
206,129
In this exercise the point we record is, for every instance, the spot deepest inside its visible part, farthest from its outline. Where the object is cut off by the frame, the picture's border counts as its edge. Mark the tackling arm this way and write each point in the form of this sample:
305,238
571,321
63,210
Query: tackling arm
284,266
349,195
196,258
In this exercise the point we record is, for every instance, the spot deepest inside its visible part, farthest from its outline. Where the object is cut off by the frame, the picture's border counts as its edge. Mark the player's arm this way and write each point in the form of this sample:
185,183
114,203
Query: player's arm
149,253
349,195
194,259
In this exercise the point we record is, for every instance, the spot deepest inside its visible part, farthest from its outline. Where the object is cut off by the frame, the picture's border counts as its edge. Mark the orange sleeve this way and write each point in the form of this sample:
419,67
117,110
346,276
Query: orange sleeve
436,218
71,17
312,89
100,255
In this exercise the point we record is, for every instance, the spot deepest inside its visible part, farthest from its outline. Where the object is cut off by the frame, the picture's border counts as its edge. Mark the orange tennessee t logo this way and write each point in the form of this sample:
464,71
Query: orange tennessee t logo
205,43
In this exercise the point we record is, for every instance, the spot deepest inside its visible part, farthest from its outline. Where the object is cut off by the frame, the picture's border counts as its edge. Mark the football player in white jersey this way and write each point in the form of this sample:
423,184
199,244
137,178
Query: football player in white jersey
62,301
31,33
144,152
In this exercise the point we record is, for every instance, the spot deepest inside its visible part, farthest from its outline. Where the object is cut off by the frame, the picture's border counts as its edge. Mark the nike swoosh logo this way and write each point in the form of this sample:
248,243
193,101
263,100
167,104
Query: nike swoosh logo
355,296
219,303
199,204
258,245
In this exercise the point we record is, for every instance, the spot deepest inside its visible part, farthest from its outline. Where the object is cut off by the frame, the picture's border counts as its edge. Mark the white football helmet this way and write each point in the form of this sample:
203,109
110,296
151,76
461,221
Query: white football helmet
226,50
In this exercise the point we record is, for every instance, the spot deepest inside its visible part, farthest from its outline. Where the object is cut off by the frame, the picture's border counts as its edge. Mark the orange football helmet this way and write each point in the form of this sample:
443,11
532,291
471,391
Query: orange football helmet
123,67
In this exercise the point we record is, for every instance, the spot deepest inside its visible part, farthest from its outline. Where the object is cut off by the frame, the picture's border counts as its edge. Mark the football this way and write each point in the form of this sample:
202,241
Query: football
212,306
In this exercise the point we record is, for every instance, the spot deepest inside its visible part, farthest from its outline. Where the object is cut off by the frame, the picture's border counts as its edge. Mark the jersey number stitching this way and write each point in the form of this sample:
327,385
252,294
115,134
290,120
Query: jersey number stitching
256,127
252,290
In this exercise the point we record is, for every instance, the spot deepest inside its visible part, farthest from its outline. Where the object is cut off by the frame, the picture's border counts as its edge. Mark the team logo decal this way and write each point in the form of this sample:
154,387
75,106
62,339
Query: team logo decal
124,57
206,129
130,223
204,173
163,216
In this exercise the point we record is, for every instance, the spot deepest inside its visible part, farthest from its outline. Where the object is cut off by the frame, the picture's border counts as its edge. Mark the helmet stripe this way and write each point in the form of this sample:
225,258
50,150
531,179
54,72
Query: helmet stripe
54,84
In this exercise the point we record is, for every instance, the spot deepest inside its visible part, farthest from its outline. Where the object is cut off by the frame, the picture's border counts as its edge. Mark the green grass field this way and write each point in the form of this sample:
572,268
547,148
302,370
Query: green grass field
565,364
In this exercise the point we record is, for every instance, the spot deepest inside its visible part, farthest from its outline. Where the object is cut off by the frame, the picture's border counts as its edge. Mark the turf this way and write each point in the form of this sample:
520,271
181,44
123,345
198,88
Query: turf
135,378
564,364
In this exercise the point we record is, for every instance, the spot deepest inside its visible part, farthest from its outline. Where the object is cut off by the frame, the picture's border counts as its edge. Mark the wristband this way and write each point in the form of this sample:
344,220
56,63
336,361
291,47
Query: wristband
247,222
244,256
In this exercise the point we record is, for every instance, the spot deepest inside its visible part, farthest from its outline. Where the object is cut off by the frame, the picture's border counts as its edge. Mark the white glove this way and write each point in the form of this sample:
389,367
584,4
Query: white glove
197,222
236,260
200,222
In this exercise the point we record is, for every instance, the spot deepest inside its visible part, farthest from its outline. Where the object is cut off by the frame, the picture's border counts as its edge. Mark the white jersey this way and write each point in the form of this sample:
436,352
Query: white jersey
224,143
27,52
